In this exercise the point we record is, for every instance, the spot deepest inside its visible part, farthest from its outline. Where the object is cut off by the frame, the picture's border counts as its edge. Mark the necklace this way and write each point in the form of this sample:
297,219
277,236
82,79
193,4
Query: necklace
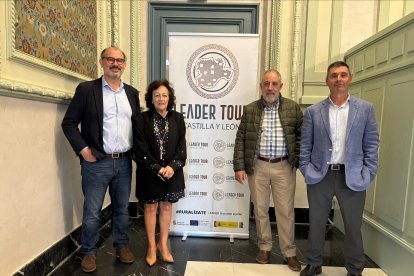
158,132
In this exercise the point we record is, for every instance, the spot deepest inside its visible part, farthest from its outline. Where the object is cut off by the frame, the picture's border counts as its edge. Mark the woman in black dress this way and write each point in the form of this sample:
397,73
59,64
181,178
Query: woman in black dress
160,151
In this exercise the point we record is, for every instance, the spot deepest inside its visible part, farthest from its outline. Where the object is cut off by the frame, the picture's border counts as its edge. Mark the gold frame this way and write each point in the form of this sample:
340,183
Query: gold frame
19,87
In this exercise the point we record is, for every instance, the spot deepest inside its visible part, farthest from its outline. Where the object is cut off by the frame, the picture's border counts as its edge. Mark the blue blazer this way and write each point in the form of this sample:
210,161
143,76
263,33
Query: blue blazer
361,144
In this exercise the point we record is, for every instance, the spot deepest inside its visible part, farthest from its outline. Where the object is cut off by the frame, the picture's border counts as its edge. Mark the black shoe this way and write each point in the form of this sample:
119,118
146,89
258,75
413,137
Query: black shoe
311,270
351,274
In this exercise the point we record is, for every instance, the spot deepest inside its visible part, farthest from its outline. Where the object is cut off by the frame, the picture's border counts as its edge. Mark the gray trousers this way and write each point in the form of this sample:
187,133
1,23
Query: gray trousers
351,204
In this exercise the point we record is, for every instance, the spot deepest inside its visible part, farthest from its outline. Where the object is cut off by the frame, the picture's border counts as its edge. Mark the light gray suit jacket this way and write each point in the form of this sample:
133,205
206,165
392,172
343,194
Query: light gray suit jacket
361,144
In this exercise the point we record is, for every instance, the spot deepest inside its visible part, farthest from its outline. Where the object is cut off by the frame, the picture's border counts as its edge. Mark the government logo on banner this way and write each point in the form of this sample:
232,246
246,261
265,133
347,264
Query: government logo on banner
212,71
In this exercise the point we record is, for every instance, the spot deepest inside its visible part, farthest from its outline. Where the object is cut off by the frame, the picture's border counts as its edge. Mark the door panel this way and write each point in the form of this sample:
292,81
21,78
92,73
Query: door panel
196,18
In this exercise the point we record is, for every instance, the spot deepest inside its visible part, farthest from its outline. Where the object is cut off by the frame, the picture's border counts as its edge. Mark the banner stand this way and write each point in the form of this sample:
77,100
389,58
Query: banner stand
214,77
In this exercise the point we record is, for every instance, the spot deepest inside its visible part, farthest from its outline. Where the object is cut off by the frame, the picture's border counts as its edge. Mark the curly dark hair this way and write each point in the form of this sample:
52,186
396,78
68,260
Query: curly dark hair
154,85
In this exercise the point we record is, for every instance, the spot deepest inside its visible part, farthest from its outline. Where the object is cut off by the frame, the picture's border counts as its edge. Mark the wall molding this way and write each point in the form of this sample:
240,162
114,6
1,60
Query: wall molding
390,234
133,29
138,14
20,88
275,23
297,30
115,22
384,53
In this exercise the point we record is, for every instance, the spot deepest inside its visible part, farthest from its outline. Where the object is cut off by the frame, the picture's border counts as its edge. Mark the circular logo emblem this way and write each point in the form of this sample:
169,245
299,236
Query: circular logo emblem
219,162
219,145
218,178
212,71
218,194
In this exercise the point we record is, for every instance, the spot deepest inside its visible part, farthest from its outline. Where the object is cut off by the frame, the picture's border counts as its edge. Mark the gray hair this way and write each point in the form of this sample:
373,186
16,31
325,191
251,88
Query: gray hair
115,48
274,71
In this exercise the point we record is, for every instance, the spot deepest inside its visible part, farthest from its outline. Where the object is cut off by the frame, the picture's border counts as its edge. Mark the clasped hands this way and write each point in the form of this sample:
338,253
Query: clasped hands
167,172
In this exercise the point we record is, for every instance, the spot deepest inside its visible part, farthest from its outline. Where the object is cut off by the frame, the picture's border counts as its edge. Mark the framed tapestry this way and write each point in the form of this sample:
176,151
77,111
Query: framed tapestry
59,38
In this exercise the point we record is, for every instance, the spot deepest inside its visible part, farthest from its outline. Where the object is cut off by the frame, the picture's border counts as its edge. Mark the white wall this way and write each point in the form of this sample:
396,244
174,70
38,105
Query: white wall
40,191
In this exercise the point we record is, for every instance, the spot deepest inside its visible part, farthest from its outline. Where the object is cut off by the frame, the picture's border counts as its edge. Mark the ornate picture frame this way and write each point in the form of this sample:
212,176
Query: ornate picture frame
53,77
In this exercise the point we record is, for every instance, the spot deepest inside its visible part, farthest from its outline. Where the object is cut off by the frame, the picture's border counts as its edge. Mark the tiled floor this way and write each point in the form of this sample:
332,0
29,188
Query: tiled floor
195,250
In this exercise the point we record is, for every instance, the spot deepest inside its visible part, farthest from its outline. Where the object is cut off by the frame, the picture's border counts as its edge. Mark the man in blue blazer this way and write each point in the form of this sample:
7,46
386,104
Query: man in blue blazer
104,108
338,157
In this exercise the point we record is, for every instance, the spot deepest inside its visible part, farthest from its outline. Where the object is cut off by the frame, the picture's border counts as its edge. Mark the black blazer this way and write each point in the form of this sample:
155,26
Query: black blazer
86,109
147,154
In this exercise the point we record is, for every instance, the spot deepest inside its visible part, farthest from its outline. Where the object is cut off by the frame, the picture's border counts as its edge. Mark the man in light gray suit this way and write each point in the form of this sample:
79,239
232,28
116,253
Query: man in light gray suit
338,156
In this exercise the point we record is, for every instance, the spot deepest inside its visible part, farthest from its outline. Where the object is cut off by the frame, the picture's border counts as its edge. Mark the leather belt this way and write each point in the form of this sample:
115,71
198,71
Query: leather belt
116,155
336,167
274,160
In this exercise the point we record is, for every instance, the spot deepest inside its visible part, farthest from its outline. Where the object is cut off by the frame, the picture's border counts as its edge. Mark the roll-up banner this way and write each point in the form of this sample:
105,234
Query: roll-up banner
214,77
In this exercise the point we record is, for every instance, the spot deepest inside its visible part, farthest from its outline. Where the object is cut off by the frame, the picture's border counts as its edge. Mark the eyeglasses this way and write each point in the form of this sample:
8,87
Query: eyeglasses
112,60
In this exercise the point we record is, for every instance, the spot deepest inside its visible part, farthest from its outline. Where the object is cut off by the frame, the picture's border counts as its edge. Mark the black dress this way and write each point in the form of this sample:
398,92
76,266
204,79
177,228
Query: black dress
159,142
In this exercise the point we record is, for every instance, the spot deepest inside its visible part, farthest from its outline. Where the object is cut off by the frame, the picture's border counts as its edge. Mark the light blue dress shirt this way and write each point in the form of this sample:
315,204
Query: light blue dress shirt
117,124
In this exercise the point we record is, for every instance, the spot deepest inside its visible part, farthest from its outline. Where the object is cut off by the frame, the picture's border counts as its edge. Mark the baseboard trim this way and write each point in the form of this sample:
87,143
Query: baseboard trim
53,256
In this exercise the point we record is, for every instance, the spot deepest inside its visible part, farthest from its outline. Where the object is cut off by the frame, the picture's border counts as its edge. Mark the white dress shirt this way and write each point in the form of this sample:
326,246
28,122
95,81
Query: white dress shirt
338,120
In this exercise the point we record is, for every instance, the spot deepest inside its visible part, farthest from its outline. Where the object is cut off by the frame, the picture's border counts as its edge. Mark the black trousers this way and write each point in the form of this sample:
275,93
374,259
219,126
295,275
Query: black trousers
351,204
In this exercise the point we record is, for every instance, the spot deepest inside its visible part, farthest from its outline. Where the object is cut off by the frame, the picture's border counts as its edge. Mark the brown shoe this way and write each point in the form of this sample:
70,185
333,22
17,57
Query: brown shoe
293,263
125,255
263,257
89,263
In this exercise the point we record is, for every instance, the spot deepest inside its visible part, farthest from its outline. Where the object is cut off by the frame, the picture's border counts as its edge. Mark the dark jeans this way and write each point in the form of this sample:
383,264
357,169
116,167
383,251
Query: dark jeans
96,178
351,204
